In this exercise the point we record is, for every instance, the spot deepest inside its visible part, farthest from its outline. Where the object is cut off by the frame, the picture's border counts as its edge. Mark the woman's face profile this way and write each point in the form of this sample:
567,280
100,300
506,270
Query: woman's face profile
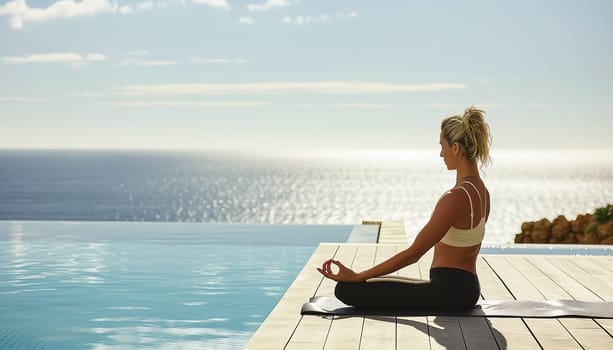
446,153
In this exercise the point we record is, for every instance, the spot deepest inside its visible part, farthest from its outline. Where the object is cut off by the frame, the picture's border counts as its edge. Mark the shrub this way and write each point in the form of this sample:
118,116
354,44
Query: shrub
604,214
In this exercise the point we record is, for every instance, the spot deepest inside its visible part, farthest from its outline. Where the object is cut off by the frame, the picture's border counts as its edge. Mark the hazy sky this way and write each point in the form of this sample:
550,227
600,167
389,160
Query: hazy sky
288,74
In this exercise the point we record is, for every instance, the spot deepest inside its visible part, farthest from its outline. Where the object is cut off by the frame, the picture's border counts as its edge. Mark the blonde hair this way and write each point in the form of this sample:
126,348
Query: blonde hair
471,132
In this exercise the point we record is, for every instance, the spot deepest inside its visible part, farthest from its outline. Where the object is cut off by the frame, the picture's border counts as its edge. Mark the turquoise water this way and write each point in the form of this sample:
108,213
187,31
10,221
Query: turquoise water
74,285
128,285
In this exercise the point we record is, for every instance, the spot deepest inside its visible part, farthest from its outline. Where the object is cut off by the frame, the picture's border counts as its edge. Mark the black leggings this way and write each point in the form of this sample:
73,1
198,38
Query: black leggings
448,288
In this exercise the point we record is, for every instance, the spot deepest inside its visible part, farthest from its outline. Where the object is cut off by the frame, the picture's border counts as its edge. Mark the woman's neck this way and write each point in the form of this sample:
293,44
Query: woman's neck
467,170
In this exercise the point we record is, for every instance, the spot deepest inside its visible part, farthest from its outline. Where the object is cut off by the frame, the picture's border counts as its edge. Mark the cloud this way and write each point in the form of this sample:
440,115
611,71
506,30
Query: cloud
347,15
19,12
246,20
144,6
96,57
54,57
197,60
187,104
300,20
136,58
270,4
323,18
320,87
140,7
147,63
214,3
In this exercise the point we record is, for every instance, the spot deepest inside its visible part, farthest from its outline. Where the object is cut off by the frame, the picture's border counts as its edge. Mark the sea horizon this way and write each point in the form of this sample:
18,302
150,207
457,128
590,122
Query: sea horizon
342,187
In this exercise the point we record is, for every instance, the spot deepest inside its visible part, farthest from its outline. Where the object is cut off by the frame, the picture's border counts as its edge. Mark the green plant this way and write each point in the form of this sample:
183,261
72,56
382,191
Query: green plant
604,214
592,227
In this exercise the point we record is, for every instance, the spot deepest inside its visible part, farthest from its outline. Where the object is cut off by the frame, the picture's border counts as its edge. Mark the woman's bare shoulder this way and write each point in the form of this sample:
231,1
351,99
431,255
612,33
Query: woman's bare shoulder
452,195
449,202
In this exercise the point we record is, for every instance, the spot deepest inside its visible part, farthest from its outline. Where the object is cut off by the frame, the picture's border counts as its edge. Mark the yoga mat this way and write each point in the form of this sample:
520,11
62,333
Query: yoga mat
323,305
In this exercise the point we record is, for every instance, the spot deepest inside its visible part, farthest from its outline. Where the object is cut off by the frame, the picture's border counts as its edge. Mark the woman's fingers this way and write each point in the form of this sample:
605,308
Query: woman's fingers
326,266
326,269
344,273
339,264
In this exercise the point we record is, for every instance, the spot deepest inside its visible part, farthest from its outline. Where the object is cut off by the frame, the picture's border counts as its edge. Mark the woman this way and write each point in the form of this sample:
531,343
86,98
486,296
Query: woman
455,230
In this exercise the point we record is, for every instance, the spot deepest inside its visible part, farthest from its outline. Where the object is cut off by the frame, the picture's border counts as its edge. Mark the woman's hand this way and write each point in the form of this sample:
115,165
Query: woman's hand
344,273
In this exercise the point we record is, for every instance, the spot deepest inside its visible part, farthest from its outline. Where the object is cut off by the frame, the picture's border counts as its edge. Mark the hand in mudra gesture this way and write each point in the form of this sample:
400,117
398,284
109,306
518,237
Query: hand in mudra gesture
344,273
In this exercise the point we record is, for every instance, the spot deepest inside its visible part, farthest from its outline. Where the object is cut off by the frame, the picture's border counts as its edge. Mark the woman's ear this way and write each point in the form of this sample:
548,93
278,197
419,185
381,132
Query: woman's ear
455,147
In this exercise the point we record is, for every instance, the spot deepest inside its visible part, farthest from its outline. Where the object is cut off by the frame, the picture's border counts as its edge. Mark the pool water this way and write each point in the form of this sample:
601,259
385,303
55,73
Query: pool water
109,285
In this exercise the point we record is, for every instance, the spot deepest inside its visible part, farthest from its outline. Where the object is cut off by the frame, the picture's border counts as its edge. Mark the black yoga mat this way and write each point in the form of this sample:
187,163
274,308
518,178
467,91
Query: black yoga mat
494,308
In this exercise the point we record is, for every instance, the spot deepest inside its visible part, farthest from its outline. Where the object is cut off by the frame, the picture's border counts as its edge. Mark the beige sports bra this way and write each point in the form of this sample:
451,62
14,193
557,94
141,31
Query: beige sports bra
468,237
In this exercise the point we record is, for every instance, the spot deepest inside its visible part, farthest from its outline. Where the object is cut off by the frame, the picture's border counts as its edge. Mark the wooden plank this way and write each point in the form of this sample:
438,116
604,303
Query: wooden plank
515,282
477,333
543,283
345,254
392,232
588,333
380,332
346,332
411,332
279,326
590,282
491,285
597,266
562,279
384,252
601,266
549,333
606,324
312,331
502,277
365,233
510,333
585,331
445,333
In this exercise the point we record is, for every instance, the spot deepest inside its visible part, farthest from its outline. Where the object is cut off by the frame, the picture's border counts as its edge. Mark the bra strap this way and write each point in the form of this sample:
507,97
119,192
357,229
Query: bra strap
479,195
471,207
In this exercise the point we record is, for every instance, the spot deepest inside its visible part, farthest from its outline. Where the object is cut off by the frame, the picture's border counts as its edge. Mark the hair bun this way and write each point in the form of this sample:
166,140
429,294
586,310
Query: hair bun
471,131
472,115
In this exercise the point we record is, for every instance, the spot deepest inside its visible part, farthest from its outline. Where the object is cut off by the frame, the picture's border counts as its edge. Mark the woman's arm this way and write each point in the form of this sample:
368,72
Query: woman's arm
444,216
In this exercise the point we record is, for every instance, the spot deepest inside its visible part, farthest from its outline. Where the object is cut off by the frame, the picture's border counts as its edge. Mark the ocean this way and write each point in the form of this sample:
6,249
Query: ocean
341,187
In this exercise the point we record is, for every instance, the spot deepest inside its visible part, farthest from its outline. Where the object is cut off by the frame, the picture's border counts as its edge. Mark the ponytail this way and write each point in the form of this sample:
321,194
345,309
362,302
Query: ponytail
472,132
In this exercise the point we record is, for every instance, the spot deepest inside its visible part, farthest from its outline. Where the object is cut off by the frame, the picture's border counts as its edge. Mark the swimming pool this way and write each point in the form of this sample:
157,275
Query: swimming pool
126,285
110,285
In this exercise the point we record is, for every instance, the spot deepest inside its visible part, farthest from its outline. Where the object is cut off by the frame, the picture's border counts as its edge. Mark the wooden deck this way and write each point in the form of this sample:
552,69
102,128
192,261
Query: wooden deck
520,277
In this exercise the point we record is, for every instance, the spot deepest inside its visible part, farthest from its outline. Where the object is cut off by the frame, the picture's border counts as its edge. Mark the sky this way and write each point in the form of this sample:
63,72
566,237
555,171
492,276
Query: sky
308,74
